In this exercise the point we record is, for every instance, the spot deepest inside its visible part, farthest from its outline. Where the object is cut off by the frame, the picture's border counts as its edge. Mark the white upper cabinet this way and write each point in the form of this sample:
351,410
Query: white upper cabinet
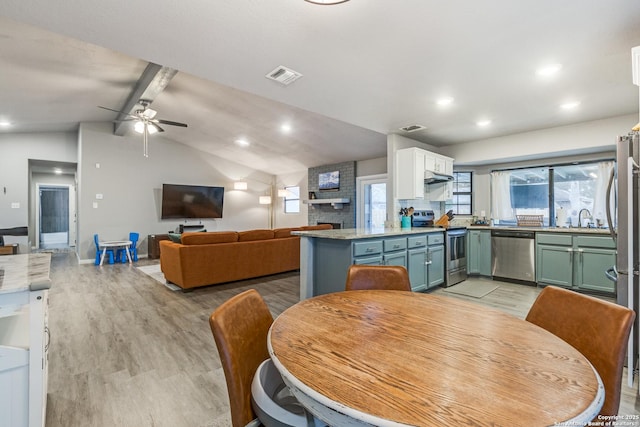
436,163
410,173
411,164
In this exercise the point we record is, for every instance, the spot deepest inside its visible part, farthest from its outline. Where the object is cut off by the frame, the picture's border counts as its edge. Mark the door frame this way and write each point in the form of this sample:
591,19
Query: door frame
361,182
71,233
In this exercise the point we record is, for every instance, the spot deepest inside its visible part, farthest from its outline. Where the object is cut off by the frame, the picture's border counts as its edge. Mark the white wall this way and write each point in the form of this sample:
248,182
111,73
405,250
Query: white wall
369,167
282,219
15,151
131,185
582,138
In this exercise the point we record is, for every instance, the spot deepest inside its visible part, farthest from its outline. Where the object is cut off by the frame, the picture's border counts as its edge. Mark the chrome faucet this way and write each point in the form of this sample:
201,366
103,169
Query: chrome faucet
580,216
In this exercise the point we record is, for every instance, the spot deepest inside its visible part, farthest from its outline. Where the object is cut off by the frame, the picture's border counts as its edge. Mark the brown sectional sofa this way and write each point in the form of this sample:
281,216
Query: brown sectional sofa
202,259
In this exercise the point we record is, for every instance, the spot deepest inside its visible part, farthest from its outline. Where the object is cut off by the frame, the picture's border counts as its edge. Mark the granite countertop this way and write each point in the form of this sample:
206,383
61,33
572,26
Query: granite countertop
24,272
365,233
572,230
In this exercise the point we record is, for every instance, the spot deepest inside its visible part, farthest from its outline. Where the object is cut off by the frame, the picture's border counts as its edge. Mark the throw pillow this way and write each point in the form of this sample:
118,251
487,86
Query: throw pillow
175,237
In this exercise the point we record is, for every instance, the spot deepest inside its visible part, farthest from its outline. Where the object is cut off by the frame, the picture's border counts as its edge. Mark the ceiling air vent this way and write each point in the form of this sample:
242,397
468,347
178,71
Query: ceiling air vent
412,128
284,75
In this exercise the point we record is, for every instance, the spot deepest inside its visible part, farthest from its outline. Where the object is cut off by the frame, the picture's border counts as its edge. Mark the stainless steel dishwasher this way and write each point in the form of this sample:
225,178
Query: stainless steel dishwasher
513,255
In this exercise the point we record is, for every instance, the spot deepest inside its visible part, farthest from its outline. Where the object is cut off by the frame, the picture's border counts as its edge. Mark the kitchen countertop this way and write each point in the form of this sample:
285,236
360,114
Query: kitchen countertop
19,273
572,230
366,233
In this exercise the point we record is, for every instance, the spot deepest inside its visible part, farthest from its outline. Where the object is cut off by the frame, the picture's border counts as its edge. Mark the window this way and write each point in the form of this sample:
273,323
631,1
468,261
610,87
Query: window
561,194
292,199
461,203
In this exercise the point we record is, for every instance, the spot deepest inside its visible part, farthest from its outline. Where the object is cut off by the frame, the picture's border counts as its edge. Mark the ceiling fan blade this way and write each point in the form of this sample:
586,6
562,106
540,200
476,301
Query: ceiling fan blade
149,113
169,122
158,127
132,117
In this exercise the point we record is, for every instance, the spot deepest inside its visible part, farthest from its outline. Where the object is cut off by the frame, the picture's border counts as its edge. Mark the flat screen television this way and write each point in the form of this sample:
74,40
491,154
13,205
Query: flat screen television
191,201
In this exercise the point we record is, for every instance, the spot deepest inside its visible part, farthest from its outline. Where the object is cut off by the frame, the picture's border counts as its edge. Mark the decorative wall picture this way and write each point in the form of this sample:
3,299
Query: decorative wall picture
329,181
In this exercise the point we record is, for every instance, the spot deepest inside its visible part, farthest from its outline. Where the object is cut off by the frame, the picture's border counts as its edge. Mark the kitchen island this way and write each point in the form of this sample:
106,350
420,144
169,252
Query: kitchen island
24,284
325,256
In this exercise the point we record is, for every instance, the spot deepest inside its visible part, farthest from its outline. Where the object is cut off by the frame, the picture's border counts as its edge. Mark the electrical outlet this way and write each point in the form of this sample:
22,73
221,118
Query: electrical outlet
15,205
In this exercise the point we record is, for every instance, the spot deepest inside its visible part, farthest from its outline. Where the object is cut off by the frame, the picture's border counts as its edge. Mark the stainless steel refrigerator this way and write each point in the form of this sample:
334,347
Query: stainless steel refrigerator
623,186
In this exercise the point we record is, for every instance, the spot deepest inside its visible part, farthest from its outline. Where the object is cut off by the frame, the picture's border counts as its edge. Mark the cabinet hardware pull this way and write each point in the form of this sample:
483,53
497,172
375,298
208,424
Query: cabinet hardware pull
428,263
396,246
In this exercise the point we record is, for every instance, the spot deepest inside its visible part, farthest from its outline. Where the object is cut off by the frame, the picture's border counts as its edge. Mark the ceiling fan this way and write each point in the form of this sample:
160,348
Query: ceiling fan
145,121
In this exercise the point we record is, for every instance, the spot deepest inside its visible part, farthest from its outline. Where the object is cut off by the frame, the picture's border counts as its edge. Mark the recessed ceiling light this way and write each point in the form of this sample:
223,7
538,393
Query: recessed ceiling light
548,70
242,142
443,102
483,123
5,123
286,128
569,105
327,1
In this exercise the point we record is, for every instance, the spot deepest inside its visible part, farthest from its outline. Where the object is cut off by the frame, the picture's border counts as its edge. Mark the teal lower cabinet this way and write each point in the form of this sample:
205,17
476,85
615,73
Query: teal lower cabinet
575,261
326,270
479,252
417,268
435,265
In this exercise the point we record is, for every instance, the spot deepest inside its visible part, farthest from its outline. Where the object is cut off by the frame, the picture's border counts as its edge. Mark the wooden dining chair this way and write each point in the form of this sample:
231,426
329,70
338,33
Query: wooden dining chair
596,328
240,327
381,277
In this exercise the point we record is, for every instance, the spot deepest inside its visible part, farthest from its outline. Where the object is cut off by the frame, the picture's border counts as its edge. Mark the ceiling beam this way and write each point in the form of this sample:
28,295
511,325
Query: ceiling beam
153,80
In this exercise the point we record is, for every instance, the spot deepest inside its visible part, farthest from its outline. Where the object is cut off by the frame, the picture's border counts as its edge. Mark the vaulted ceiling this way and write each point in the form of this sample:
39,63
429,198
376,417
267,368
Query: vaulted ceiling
369,67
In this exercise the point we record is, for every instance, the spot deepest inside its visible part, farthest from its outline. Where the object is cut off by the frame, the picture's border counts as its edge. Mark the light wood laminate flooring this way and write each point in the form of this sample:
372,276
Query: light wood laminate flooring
128,352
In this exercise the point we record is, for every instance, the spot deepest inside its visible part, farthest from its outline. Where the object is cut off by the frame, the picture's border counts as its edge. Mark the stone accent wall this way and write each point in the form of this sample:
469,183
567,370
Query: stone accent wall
326,213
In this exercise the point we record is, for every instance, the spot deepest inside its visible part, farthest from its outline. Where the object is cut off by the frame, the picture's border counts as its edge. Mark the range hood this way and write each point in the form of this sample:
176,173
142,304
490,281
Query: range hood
435,177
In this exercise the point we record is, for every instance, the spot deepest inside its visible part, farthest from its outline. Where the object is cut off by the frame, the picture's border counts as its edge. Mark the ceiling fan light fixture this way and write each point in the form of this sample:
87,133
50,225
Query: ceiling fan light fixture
139,127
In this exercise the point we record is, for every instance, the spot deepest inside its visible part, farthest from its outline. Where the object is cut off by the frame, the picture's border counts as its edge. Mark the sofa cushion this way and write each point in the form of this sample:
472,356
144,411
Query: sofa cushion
245,236
175,237
209,238
317,227
282,232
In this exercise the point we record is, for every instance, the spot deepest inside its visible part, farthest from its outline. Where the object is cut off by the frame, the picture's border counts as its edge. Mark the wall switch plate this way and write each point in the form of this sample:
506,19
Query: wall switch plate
15,205
99,196
95,205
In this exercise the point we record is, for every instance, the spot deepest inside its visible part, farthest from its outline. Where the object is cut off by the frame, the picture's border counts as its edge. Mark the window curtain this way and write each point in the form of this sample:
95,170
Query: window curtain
501,196
600,194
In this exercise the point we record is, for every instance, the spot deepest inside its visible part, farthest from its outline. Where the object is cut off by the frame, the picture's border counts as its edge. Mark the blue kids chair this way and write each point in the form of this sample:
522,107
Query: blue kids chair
99,252
121,254
134,246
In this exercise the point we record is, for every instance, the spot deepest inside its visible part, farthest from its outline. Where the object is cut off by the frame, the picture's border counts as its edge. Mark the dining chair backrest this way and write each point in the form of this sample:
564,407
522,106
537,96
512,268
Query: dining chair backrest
240,326
381,277
596,328
134,237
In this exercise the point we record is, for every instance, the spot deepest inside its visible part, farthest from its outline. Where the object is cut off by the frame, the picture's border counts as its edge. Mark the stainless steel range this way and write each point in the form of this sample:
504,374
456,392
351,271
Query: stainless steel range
456,258
455,247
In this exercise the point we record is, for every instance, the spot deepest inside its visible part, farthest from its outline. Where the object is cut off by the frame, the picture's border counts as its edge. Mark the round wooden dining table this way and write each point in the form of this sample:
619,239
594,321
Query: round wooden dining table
393,358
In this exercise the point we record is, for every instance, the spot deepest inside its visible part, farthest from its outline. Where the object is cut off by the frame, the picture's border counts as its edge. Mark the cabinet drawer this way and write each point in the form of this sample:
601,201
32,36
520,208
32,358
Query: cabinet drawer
395,244
368,260
436,239
367,247
555,239
604,242
416,242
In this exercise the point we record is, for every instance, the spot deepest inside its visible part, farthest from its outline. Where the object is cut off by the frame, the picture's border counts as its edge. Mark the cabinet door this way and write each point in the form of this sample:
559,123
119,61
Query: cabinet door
430,162
484,253
410,173
440,165
591,265
554,265
435,265
395,258
448,167
416,265
473,252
